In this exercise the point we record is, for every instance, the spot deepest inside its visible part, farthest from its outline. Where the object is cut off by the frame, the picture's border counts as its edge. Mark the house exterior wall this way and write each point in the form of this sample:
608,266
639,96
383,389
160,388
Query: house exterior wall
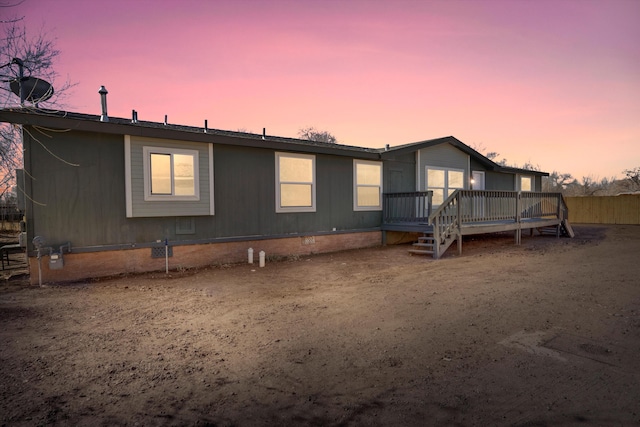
253,212
81,200
538,183
499,181
442,155
400,173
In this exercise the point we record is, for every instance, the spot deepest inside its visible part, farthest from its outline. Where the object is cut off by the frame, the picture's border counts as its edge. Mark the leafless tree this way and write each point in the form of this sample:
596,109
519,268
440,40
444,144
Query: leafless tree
633,178
33,56
312,134
557,181
495,157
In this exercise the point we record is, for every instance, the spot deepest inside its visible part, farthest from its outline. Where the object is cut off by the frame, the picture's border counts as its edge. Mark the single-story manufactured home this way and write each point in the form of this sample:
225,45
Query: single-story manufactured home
105,196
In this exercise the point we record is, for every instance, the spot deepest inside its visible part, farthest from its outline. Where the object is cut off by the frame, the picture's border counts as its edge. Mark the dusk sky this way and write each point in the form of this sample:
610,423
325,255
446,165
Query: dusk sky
555,83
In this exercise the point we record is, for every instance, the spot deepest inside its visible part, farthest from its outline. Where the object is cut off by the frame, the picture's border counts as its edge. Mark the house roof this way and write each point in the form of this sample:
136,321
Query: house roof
483,160
122,126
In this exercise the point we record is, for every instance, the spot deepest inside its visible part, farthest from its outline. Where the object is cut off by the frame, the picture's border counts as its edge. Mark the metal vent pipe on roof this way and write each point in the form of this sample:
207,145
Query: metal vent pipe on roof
103,100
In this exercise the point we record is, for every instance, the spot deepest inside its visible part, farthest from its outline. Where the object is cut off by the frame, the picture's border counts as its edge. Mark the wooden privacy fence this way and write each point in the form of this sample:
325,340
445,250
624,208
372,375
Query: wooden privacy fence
622,209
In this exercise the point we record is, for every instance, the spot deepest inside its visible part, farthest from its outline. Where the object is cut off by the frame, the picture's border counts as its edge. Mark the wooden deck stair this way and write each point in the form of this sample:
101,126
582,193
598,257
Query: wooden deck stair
425,245
562,229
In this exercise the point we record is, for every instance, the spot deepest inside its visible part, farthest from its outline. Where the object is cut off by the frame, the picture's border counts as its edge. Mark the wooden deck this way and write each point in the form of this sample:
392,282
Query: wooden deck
468,212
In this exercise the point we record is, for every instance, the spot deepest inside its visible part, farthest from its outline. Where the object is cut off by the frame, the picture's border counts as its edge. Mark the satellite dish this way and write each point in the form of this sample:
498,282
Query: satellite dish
35,90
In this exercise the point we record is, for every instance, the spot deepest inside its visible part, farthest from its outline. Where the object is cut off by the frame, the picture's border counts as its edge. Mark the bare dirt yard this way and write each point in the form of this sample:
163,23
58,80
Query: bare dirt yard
546,333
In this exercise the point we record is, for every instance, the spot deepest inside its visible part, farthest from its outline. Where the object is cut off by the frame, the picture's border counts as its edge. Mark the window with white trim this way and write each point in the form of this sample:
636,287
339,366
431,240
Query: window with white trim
295,183
367,185
170,174
526,183
443,182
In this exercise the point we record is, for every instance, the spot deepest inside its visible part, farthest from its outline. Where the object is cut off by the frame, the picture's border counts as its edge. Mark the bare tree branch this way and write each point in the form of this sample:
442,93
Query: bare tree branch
312,134
38,55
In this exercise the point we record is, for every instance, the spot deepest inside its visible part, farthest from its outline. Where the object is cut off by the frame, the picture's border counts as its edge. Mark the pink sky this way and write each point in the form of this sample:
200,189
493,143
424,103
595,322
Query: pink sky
556,83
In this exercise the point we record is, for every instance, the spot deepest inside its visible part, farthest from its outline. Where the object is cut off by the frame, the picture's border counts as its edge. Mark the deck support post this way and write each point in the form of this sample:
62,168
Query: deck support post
384,237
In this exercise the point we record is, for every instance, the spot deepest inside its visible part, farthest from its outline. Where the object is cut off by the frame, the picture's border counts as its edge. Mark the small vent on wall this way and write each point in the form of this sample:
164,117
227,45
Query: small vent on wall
309,240
159,251
185,226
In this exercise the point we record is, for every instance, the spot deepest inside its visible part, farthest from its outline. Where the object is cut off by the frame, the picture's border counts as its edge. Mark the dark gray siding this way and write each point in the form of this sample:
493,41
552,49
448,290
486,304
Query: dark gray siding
86,204
499,181
245,195
400,173
83,204
476,165
445,156
494,180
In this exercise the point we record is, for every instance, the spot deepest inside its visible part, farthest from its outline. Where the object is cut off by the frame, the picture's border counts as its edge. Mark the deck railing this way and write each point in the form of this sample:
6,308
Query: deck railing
472,206
480,205
414,207
480,209
542,205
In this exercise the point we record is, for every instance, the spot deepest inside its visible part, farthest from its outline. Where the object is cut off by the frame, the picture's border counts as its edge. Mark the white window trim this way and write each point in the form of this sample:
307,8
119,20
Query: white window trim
446,179
472,184
357,162
293,209
533,182
146,161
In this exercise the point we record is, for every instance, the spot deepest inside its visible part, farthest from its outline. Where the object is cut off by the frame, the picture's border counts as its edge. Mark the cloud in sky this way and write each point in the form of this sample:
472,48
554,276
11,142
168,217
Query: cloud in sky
552,82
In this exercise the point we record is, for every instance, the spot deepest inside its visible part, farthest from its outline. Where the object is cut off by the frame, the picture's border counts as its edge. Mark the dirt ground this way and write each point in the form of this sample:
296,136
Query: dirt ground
546,333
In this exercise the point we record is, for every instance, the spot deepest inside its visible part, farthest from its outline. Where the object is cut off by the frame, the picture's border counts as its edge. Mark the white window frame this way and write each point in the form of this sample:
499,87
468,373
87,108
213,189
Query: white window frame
291,209
446,187
356,206
147,151
531,178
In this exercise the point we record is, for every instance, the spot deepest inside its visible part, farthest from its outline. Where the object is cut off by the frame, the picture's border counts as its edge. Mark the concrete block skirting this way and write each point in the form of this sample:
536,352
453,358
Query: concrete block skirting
79,266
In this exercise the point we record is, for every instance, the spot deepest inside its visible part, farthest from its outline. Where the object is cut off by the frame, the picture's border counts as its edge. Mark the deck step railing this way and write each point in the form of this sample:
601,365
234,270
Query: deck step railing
413,207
